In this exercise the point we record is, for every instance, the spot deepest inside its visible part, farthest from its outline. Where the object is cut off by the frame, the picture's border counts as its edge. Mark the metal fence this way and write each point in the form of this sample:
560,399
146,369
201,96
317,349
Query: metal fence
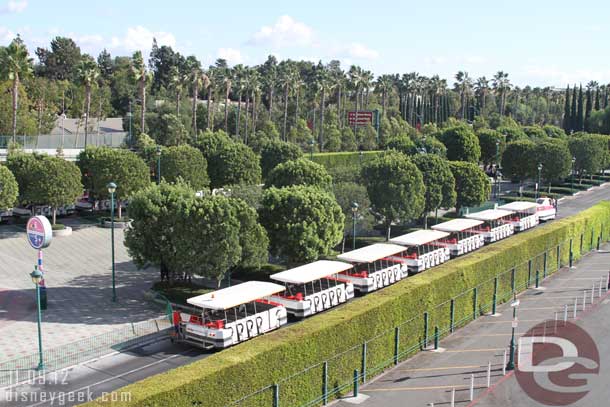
67,141
339,375
24,368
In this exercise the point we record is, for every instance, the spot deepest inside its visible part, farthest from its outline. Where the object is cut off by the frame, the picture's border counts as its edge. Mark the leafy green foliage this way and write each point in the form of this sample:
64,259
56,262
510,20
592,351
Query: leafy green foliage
438,179
554,131
252,236
401,143
471,184
518,160
186,163
300,172
348,192
302,222
555,158
512,133
487,140
590,152
57,183
169,131
9,189
276,152
461,143
535,133
24,168
395,187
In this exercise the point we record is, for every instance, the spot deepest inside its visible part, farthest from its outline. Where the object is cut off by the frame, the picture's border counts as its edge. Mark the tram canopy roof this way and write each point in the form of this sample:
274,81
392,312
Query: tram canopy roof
457,225
369,254
235,295
419,237
490,214
519,206
311,271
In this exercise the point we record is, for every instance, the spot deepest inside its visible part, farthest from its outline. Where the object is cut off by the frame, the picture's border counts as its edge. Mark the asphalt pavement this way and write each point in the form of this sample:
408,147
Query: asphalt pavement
95,378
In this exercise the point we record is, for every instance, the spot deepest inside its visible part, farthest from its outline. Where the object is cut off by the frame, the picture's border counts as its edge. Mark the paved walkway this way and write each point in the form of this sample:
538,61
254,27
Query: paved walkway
78,277
430,377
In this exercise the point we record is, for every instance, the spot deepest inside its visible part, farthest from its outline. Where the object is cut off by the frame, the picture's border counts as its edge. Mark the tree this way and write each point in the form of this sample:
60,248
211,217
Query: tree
439,182
590,152
554,131
346,194
275,152
567,111
535,133
555,158
102,165
395,187
471,184
252,235
60,61
15,65
169,131
401,143
9,189
518,160
300,172
461,143
490,153
580,123
58,183
183,234
512,133
185,163
88,73
232,163
25,168
302,222
143,78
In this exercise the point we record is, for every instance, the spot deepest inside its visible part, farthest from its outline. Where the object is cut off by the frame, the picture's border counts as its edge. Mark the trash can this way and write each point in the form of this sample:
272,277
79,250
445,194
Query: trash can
43,297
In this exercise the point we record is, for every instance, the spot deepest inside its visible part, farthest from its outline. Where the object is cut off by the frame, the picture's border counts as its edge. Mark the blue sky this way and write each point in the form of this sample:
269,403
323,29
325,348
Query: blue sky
539,42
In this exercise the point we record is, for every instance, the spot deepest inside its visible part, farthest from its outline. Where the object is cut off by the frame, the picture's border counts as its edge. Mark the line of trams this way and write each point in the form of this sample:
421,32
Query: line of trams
235,314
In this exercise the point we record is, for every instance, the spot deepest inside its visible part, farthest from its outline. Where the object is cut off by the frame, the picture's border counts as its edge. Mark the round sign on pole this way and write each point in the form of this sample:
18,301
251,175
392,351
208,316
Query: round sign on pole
39,232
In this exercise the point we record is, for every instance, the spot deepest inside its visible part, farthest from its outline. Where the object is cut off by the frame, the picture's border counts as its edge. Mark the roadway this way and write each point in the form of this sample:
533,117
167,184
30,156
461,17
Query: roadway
92,379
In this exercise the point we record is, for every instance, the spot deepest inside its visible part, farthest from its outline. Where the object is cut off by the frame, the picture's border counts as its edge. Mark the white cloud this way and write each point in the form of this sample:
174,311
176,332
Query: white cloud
14,6
233,56
285,32
6,36
140,38
360,51
560,77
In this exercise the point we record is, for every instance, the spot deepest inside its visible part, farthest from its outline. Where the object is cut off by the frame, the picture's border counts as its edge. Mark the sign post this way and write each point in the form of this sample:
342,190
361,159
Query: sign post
39,234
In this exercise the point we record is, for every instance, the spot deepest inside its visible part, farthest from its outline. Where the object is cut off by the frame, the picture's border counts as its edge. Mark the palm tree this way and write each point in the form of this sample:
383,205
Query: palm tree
337,76
464,87
177,81
385,85
212,84
501,86
87,73
323,85
238,73
481,89
286,80
436,87
356,80
197,79
15,65
255,90
143,78
227,78
367,82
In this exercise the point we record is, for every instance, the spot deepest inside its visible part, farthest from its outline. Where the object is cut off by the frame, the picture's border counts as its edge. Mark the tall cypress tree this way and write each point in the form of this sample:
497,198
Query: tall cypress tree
580,120
588,108
566,111
597,96
606,98
573,123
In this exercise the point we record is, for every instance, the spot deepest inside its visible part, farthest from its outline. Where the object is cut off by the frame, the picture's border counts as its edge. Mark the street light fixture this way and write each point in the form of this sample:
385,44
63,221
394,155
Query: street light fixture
130,116
312,143
538,184
497,168
158,165
354,217
572,175
36,276
511,359
111,191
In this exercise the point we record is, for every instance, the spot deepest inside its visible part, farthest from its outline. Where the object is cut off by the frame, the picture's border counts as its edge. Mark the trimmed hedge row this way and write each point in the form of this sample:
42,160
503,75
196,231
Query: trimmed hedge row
344,159
338,335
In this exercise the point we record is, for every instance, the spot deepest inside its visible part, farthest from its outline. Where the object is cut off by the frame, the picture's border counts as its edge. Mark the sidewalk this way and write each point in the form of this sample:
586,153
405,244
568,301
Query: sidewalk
430,377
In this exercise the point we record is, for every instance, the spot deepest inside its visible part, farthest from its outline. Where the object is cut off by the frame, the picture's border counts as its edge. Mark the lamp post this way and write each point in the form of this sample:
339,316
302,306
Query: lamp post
312,143
130,115
354,216
572,175
111,190
538,184
511,359
36,276
497,168
158,165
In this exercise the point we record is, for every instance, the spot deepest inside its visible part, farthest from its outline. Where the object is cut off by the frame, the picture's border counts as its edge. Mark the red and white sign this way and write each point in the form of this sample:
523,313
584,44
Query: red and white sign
39,232
362,118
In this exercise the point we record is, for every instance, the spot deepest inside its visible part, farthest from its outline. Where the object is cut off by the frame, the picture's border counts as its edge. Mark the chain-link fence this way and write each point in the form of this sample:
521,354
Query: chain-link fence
66,141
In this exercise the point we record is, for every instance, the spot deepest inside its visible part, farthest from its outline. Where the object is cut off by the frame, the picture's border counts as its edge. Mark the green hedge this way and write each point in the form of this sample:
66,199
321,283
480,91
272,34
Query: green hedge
344,159
338,335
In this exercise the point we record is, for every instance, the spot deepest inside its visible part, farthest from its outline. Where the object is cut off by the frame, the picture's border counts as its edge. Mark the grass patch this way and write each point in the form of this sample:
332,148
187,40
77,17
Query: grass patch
179,292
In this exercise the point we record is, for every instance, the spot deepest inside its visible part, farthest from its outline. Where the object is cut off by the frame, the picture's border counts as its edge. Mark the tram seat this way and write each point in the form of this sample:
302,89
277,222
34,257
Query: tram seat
411,256
217,324
361,274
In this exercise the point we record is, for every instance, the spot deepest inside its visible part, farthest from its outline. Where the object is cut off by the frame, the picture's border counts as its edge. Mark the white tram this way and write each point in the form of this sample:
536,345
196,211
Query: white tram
546,209
375,266
313,287
464,235
525,214
497,224
229,316
425,249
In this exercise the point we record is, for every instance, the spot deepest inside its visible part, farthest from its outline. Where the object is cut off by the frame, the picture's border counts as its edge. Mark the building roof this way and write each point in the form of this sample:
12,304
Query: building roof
310,272
519,206
235,295
490,214
457,225
371,253
419,237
